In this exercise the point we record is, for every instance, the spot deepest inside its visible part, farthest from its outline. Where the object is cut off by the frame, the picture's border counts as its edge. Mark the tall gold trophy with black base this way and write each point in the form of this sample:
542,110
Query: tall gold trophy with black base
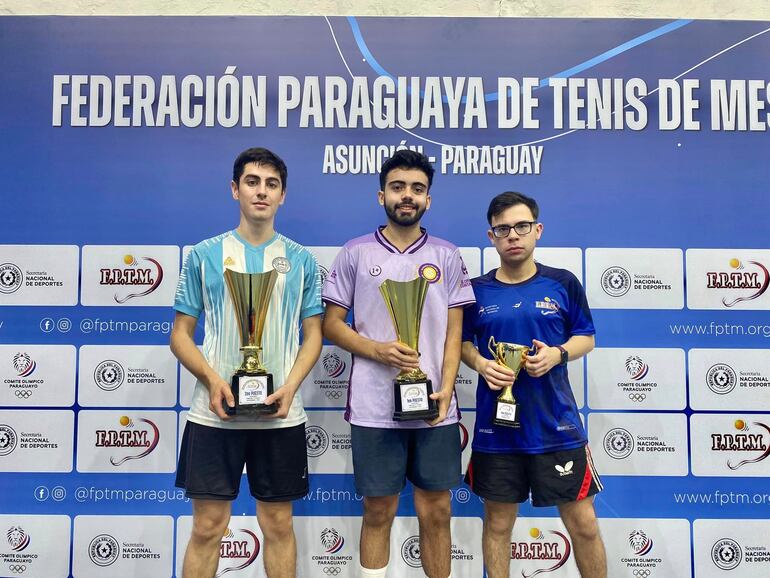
511,355
411,389
251,383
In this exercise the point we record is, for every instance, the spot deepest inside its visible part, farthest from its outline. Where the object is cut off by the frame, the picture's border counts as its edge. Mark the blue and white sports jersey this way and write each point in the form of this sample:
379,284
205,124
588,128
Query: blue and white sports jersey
296,295
550,307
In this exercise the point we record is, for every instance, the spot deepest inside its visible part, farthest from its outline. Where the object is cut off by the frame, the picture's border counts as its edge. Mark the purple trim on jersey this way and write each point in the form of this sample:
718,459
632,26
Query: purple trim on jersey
384,243
350,387
461,304
383,240
330,300
419,245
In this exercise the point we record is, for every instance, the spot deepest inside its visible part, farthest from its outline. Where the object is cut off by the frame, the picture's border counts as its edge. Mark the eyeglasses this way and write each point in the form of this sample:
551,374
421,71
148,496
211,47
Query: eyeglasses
522,228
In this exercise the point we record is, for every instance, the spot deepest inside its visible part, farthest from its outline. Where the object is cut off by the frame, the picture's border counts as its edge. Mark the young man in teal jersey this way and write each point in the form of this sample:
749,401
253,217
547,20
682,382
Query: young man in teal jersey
215,446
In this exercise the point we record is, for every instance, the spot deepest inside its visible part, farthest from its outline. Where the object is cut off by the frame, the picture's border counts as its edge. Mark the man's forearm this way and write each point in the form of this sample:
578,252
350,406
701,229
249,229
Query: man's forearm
470,355
307,356
188,354
342,335
578,345
452,349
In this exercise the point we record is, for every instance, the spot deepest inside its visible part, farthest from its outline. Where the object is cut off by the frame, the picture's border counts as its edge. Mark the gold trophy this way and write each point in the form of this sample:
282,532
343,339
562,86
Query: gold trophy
411,389
511,355
251,383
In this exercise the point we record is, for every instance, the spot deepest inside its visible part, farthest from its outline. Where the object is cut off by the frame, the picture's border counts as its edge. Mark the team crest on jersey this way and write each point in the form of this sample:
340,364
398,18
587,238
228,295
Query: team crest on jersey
281,264
430,272
547,306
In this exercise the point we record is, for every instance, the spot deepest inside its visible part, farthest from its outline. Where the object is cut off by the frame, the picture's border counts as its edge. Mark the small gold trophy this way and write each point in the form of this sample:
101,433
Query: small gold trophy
512,356
411,389
251,383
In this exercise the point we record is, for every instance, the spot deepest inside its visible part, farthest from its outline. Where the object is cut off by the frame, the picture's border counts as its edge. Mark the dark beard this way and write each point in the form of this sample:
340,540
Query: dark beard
404,220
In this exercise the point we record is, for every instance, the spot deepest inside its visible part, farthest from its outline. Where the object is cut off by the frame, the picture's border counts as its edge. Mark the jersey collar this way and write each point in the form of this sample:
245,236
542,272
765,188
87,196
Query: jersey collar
413,248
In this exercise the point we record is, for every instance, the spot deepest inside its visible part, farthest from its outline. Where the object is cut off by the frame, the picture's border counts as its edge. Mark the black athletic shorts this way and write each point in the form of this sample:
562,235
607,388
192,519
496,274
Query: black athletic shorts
552,478
211,462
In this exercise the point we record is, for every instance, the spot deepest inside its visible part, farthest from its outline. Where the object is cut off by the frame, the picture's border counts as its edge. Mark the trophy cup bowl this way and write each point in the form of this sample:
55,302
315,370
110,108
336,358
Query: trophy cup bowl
251,383
511,355
411,389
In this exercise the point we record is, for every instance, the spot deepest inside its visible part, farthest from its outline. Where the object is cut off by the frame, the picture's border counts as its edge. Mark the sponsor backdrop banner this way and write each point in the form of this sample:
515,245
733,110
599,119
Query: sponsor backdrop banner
645,142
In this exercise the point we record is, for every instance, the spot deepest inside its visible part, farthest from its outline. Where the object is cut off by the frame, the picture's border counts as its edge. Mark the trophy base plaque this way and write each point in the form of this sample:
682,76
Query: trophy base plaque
506,413
250,391
412,400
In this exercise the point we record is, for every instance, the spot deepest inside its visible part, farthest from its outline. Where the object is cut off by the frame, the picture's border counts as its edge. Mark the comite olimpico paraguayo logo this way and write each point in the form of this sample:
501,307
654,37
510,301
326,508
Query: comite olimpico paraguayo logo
333,560
137,277
333,365
543,553
131,437
743,439
24,364
238,550
748,280
18,539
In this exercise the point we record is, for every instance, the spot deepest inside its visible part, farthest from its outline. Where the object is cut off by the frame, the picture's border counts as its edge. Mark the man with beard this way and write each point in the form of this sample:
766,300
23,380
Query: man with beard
386,452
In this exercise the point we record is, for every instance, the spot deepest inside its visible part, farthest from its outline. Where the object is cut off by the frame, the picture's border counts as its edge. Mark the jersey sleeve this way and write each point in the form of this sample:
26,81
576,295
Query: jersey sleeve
469,323
340,283
189,290
311,288
579,316
458,282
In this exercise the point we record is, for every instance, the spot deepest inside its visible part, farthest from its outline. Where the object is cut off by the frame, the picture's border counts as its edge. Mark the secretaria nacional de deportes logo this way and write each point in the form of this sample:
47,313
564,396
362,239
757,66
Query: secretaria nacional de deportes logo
11,278
615,281
317,440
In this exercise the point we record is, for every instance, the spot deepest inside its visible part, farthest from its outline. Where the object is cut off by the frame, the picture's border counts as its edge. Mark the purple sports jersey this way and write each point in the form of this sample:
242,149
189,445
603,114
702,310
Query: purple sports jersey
354,283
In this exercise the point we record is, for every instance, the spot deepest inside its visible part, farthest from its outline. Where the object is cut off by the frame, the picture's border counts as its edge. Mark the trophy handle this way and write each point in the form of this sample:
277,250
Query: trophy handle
492,344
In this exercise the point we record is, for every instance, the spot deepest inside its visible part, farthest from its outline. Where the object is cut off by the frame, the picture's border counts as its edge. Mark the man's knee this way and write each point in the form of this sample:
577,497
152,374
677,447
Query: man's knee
432,507
275,520
210,523
380,510
499,518
580,520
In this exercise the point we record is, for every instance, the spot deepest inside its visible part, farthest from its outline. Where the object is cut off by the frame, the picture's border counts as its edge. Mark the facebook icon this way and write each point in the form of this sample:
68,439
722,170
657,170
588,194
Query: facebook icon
46,325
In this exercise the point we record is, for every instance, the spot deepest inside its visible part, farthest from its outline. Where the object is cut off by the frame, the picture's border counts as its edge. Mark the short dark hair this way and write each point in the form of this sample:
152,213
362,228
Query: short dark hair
406,159
509,199
260,156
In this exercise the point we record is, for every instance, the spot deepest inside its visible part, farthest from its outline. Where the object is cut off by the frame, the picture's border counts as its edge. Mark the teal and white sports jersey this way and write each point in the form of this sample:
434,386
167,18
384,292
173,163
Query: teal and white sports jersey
296,295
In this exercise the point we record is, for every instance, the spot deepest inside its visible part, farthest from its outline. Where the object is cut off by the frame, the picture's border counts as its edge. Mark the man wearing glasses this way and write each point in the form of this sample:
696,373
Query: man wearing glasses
529,303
